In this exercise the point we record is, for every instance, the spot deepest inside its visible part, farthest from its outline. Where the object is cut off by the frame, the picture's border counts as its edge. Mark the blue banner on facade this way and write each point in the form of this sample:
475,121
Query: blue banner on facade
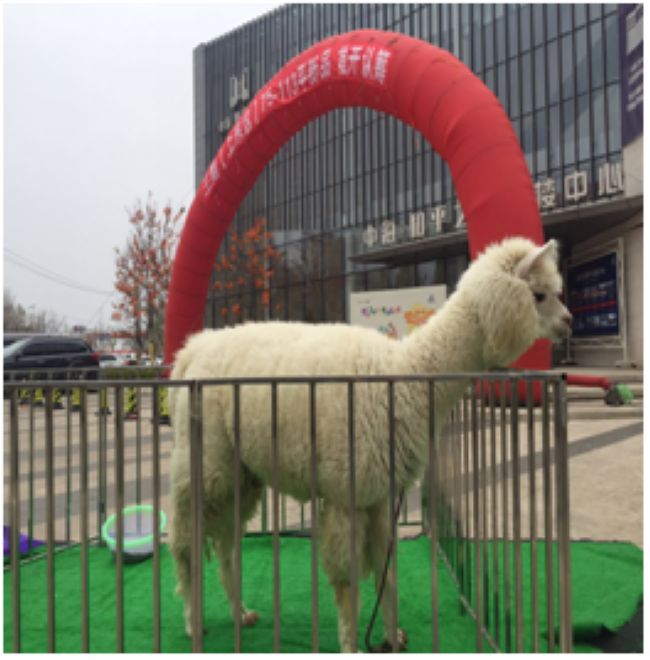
593,297
630,22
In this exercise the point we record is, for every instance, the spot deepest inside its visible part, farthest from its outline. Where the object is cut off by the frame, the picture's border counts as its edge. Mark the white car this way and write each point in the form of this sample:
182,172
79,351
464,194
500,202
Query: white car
110,360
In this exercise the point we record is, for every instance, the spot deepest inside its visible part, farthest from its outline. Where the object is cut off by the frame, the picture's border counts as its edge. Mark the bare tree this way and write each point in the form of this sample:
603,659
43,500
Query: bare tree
18,319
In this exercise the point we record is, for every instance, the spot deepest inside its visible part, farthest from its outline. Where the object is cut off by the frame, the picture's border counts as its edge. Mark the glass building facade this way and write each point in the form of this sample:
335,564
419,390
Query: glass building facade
329,192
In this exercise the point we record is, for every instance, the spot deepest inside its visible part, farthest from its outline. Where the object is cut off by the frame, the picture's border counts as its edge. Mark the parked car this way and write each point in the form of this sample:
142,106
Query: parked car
110,360
45,355
12,337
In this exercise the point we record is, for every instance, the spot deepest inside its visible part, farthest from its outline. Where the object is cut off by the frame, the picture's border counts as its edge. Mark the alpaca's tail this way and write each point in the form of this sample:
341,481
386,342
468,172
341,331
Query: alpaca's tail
179,371
181,363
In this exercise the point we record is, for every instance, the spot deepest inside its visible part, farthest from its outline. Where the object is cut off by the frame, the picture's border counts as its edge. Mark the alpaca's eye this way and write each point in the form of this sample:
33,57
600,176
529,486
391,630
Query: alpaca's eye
539,297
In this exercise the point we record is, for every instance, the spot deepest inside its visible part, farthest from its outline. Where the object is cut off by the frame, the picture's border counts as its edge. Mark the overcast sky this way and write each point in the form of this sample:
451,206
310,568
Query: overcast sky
98,110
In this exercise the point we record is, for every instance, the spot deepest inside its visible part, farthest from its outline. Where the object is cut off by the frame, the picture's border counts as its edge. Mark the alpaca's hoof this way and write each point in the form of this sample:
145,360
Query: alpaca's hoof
188,631
387,646
249,618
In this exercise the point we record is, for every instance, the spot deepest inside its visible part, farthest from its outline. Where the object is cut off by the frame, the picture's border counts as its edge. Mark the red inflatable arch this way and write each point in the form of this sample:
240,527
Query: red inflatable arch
422,85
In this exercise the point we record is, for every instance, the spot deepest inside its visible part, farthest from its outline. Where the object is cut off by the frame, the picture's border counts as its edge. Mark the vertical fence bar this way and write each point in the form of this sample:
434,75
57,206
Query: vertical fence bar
477,520
138,446
68,468
15,519
468,519
440,503
276,517
393,521
516,512
443,490
83,512
532,488
156,514
30,530
496,619
119,520
354,587
314,516
264,511
49,471
103,456
433,488
196,508
562,497
548,519
506,526
485,563
458,531
237,613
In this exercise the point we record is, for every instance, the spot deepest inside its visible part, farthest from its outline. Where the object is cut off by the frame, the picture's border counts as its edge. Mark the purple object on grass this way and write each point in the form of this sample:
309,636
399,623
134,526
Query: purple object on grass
24,546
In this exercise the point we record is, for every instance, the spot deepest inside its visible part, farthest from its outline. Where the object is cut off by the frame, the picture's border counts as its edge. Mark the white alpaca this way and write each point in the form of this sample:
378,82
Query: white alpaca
508,298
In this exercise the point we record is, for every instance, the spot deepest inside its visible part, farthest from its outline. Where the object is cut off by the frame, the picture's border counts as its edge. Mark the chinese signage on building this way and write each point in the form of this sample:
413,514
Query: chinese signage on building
350,61
574,189
396,312
593,297
630,20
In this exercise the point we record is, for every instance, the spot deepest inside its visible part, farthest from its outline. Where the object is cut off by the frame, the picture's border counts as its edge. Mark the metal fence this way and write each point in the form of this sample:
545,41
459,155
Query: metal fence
494,499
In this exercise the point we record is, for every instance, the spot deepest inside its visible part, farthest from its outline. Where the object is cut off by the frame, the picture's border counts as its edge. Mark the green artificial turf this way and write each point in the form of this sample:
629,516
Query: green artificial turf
607,587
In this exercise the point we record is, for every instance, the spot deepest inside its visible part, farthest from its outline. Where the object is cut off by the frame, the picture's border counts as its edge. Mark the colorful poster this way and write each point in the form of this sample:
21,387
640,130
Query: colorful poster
396,312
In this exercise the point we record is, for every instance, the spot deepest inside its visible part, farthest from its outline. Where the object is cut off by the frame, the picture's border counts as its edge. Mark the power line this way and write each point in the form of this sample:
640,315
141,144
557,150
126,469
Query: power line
36,269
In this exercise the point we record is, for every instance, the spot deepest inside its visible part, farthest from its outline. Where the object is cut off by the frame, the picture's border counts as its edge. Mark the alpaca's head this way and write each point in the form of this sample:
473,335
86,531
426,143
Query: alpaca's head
515,287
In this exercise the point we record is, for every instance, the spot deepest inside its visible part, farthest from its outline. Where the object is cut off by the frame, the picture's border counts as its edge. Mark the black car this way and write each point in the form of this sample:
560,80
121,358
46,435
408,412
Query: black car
50,356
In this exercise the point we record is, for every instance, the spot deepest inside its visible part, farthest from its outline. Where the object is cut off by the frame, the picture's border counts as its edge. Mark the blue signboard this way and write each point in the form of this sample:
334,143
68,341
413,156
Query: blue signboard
593,297
630,22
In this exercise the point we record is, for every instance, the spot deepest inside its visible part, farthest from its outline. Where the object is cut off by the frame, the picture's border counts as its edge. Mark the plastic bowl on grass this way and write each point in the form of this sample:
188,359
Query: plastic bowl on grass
138,523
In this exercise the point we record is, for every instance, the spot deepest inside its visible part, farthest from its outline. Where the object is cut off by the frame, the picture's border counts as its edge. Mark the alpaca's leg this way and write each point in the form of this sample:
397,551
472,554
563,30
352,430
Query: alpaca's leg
224,544
347,610
336,550
224,549
179,543
378,544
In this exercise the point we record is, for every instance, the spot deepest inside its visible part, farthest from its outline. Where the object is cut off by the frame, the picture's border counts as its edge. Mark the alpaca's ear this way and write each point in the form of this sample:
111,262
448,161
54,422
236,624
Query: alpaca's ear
524,267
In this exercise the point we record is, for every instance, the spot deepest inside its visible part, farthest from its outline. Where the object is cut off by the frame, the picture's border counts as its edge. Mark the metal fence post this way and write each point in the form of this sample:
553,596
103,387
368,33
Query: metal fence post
49,469
276,516
237,516
15,520
562,485
119,520
156,508
433,523
314,515
83,486
196,508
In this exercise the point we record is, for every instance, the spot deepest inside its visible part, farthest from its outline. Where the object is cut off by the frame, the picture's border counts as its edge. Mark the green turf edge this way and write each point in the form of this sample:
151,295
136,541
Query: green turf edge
607,586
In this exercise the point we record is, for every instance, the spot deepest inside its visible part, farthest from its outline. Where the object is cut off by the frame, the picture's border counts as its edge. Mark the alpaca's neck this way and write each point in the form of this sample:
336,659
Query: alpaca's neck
450,342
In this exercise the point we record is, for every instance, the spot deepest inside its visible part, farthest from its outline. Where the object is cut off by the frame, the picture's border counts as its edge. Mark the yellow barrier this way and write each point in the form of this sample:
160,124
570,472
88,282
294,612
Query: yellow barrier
57,399
131,403
163,402
103,402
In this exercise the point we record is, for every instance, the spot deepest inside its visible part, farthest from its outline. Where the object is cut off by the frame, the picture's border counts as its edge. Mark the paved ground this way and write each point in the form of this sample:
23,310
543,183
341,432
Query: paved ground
606,465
